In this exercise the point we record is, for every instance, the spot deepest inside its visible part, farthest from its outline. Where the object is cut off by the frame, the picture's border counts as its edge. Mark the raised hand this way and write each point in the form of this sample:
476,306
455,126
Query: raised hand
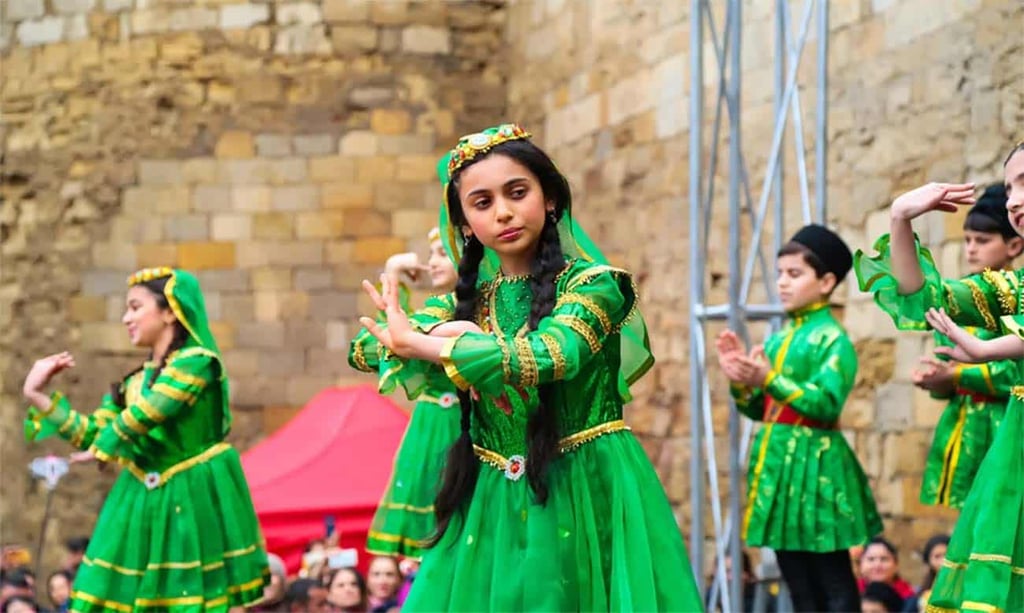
396,336
454,328
45,369
404,263
966,346
934,375
933,197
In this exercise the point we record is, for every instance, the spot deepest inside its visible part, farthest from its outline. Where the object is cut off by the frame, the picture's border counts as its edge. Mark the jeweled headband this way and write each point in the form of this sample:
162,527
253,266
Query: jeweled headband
148,274
476,144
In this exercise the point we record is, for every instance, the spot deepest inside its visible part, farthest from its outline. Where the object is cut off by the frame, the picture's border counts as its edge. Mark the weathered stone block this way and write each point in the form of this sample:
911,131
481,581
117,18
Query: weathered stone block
267,279
235,144
153,255
286,171
250,198
243,15
320,224
332,305
199,170
242,306
286,363
298,13
332,169
426,40
212,198
376,249
231,227
368,223
302,40
41,31
307,279
242,362
295,198
392,13
413,224
20,10
244,172
273,226
192,18
315,144
273,145
87,308
103,336
206,255
299,253
326,362
417,168
390,121
160,172
224,280
350,39
338,335
346,195
280,305
407,144
302,389
352,11
261,335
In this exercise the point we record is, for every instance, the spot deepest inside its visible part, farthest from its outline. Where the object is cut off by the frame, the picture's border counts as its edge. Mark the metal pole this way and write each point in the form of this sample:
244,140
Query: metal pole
697,274
821,115
778,189
735,320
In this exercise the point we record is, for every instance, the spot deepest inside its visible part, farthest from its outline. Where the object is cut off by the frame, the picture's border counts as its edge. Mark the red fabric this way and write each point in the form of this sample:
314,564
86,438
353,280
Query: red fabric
777,413
333,458
904,589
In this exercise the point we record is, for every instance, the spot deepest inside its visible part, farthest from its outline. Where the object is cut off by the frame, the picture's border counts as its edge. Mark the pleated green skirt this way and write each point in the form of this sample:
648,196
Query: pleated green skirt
984,567
806,491
190,544
606,540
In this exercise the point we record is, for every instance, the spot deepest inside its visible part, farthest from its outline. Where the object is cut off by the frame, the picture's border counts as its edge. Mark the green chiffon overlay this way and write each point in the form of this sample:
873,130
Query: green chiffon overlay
405,516
806,491
984,566
606,538
178,531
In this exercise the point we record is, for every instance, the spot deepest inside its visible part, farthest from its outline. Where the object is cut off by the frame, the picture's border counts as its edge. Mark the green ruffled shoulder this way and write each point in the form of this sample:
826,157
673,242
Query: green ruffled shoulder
874,274
416,376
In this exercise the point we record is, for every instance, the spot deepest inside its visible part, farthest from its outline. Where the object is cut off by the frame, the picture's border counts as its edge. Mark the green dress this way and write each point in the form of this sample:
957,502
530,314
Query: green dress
984,566
606,538
806,491
967,426
178,531
405,516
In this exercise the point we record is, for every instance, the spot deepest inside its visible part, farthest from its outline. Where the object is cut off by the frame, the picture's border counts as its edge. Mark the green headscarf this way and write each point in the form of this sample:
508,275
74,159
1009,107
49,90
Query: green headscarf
636,348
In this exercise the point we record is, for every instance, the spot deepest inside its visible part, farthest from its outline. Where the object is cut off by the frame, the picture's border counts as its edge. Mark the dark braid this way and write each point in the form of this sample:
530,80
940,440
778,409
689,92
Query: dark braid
180,337
462,467
542,432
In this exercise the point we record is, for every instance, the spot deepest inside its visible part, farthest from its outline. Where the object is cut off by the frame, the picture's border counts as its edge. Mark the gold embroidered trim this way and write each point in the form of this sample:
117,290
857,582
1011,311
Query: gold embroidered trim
1018,391
120,433
133,424
583,329
591,305
437,313
1005,294
506,358
175,393
184,378
990,557
450,368
528,375
408,507
114,567
359,356
180,467
394,538
981,304
951,303
557,357
150,411
565,445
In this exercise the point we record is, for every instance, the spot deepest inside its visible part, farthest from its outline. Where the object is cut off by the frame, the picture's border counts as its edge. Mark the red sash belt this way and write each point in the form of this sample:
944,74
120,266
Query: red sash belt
976,396
778,413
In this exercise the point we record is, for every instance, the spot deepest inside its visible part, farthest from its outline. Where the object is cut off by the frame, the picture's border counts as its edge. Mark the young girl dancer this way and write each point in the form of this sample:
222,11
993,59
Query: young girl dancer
405,517
982,571
976,394
548,502
808,497
178,531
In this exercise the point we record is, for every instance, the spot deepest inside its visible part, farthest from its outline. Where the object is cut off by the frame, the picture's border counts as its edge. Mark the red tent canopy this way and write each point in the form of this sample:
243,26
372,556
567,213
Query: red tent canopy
333,458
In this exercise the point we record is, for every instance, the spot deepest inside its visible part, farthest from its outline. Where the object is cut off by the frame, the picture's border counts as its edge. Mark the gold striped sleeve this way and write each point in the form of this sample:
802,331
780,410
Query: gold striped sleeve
582,328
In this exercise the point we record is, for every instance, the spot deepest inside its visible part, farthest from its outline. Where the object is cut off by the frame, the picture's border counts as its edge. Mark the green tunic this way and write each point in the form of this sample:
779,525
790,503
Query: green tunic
967,426
405,516
806,491
984,566
606,538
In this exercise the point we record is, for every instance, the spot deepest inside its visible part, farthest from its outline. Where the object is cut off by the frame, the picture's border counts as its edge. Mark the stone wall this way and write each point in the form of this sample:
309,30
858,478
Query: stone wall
918,91
281,150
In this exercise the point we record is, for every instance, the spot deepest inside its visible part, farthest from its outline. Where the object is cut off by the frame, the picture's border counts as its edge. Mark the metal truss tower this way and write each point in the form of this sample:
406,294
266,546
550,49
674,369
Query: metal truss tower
754,219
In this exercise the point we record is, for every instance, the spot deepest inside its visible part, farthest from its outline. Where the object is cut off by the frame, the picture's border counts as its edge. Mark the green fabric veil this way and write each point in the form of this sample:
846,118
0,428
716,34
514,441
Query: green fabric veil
635,351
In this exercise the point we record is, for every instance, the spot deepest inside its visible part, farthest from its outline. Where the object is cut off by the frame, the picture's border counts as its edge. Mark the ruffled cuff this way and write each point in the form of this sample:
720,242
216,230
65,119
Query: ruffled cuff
41,425
475,360
874,274
411,375
740,393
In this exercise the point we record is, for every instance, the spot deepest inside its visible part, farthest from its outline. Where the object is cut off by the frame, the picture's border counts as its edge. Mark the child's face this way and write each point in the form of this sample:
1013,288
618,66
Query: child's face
987,250
798,284
442,272
145,320
504,207
1013,175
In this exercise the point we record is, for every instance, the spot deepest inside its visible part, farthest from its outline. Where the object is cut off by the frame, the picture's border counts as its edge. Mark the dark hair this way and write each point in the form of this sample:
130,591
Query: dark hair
1016,149
20,577
360,583
795,248
542,430
926,553
880,540
156,287
884,594
298,591
976,221
14,599
77,544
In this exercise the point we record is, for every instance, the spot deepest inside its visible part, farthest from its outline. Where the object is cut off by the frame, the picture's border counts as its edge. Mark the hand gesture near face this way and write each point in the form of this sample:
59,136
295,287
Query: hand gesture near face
946,197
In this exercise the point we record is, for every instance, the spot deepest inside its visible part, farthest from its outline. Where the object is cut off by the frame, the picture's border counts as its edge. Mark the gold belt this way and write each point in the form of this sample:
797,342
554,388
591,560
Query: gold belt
515,466
153,479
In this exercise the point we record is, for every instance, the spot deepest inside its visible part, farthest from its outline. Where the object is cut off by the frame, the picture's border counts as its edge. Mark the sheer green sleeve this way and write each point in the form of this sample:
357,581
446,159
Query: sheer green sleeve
822,396
996,379
590,309
60,419
749,400
176,389
978,300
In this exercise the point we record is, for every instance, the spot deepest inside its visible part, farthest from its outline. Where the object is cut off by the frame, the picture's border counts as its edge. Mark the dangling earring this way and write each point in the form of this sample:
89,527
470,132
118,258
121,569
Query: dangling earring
466,239
552,218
